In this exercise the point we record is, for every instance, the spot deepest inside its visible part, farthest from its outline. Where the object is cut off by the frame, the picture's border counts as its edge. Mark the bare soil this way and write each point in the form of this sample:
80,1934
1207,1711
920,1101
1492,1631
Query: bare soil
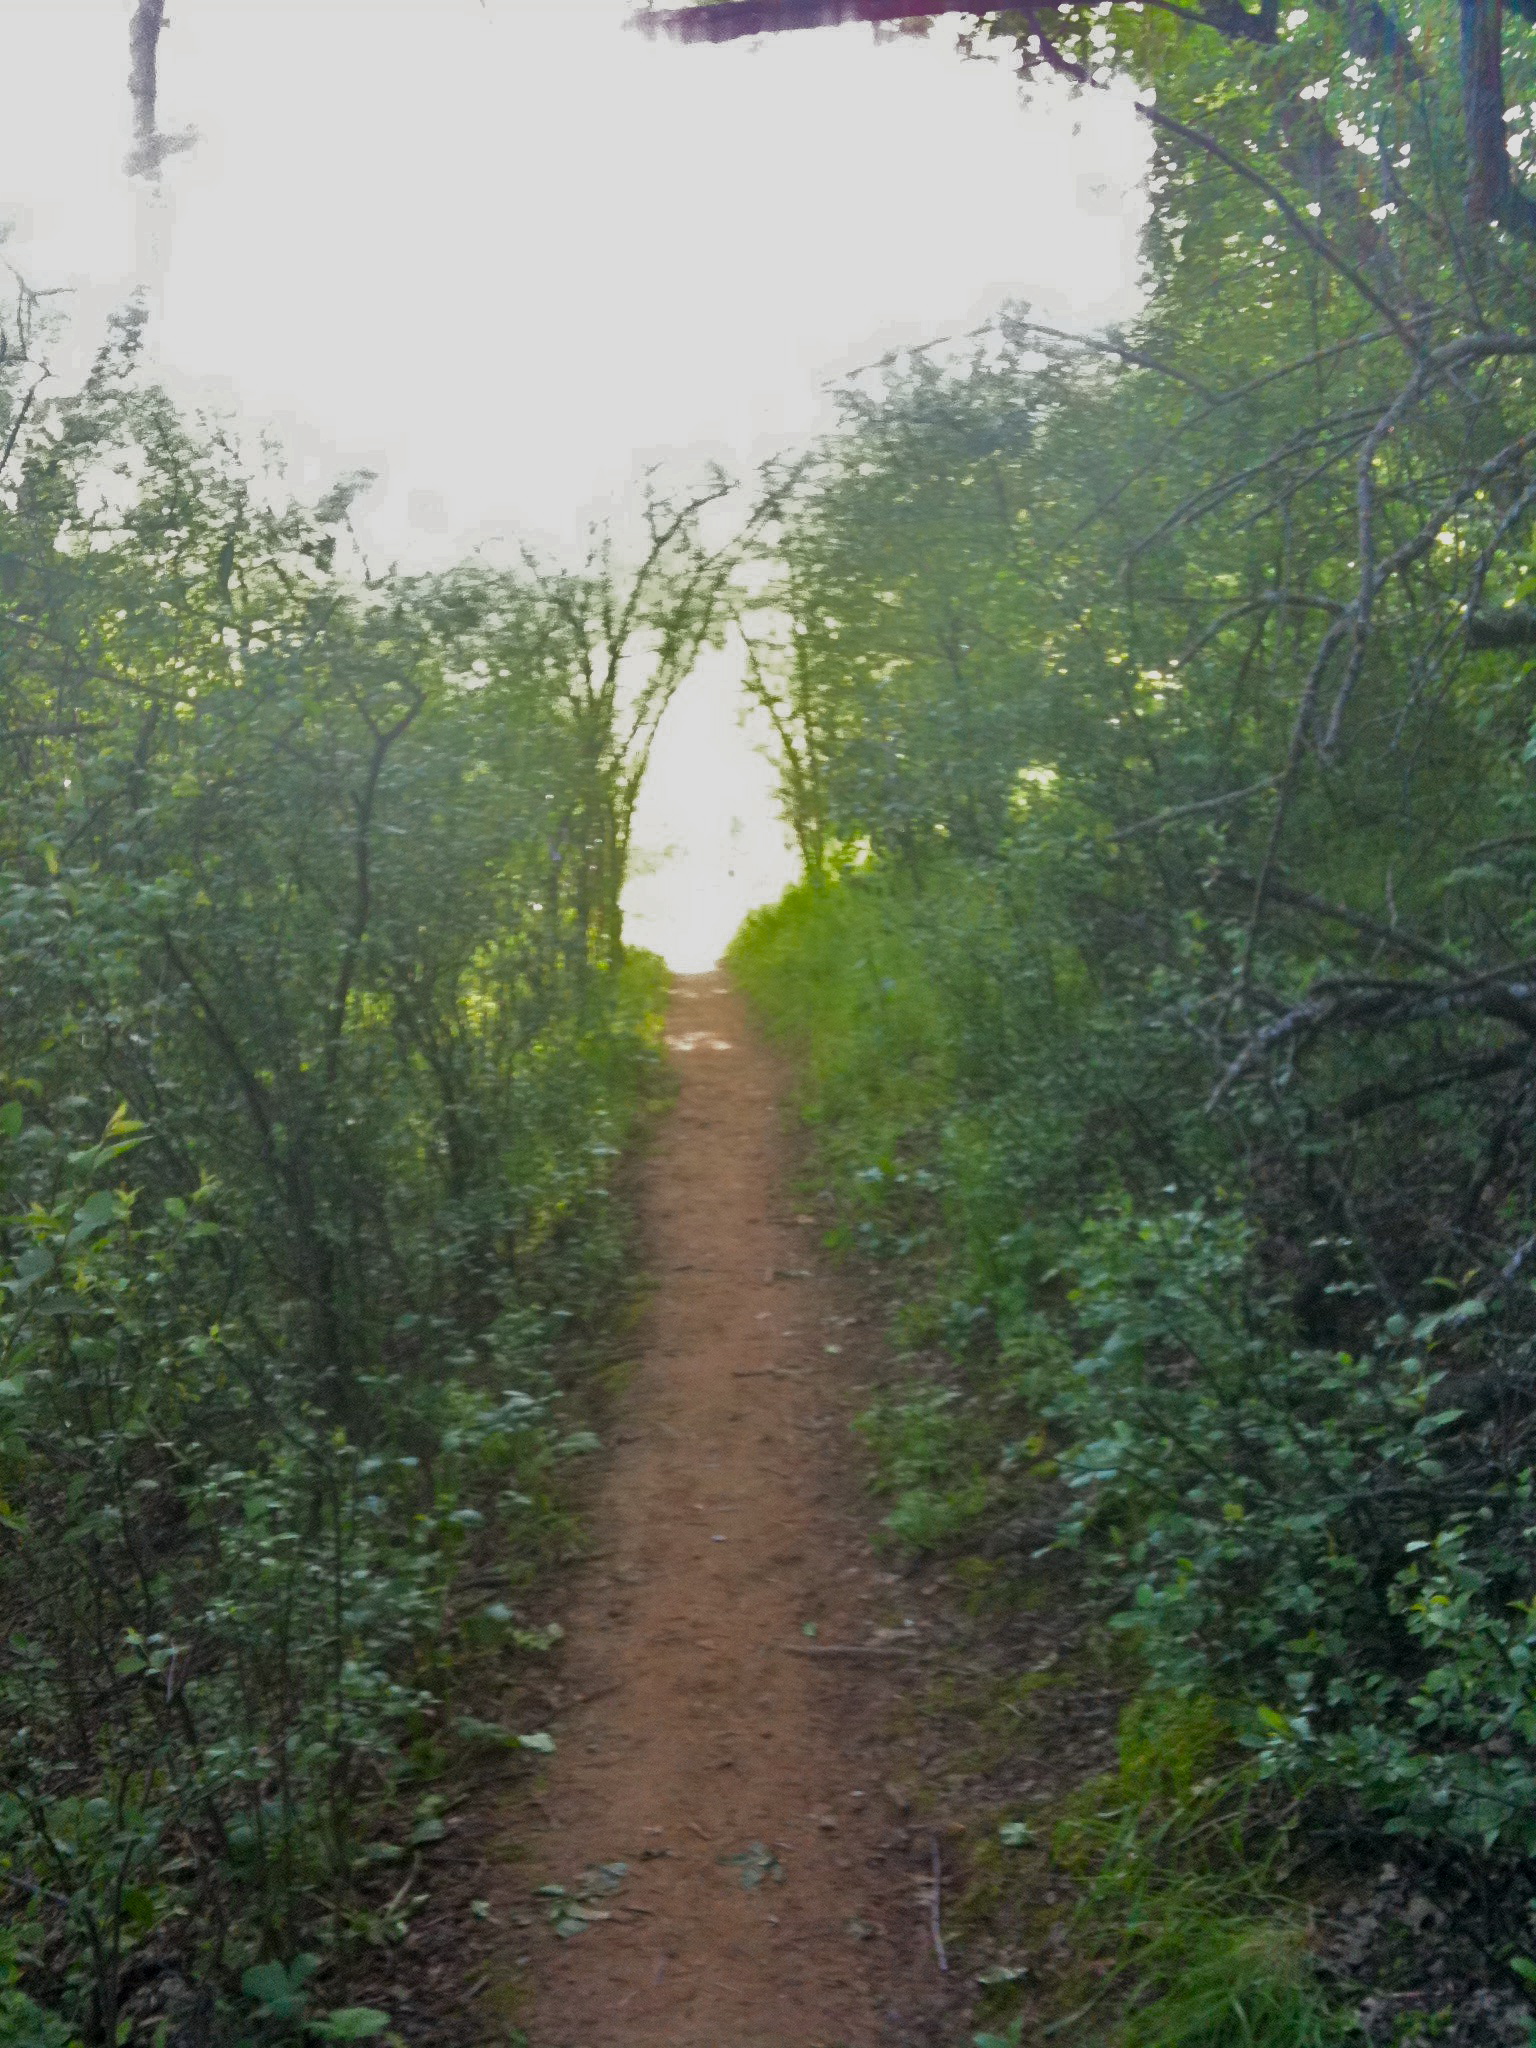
734,1644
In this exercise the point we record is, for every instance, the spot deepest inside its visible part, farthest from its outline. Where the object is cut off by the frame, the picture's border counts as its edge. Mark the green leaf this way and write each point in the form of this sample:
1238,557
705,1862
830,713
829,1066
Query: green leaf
543,1743
270,1985
538,1639
350,2023
265,1981
139,1907
10,1120
578,1444
470,1728
96,1210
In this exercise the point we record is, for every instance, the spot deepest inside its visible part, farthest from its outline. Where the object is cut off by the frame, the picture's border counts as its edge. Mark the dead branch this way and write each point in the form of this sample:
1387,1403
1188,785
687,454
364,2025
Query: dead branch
1393,1094
1209,803
847,1649
1433,370
1372,579
936,1908
1516,626
1341,913
727,21
1269,600
1362,1003
1347,428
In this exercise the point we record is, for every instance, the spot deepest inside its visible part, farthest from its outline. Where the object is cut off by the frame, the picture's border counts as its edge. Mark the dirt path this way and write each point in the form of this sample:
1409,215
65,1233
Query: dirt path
771,1897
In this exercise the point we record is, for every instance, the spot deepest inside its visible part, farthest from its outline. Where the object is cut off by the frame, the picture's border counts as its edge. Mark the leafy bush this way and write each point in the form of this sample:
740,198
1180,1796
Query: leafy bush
1157,719
319,1044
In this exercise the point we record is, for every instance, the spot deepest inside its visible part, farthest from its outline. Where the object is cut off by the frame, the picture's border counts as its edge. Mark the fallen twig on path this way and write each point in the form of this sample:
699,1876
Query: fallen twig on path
603,1692
935,1906
848,1649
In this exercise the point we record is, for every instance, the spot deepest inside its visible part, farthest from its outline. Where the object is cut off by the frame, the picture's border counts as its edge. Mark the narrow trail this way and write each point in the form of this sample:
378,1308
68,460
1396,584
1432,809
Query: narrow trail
771,1897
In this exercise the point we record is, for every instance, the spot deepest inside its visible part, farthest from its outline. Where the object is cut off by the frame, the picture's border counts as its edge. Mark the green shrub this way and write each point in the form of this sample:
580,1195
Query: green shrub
319,1045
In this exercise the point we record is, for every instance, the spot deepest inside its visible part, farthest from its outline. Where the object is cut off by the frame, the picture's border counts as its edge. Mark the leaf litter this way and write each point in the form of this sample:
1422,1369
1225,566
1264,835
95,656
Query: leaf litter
571,1911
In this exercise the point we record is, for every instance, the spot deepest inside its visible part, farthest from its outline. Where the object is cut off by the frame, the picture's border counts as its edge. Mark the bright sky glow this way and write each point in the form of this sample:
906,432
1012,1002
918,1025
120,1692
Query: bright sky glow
509,254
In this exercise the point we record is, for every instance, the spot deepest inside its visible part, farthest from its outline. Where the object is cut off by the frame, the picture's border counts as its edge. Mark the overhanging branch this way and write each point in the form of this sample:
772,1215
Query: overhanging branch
728,20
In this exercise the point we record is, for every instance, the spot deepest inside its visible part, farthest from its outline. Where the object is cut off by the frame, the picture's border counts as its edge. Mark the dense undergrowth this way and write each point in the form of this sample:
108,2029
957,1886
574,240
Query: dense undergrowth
1156,722
317,1047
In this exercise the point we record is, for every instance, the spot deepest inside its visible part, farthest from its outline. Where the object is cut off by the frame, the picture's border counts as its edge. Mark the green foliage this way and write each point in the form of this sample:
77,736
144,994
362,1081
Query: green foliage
24,2023
1231,1985
1157,721
318,1046
1173,1854
281,1995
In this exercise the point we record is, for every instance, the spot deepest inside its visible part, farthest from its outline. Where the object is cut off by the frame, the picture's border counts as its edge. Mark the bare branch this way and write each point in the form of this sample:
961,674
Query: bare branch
1209,803
1362,1003
730,20
1357,920
1017,328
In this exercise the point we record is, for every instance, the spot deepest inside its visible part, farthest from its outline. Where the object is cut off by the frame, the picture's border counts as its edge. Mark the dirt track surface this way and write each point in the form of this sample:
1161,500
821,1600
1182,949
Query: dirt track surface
771,1897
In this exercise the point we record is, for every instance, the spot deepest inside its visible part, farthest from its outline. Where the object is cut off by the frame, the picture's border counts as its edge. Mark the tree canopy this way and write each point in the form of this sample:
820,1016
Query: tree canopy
1072,38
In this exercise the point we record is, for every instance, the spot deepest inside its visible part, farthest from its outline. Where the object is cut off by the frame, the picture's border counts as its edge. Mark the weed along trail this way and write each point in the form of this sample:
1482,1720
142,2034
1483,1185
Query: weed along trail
735,1872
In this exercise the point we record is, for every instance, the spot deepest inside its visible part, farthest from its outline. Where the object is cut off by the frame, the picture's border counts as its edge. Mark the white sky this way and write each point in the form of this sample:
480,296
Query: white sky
508,254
